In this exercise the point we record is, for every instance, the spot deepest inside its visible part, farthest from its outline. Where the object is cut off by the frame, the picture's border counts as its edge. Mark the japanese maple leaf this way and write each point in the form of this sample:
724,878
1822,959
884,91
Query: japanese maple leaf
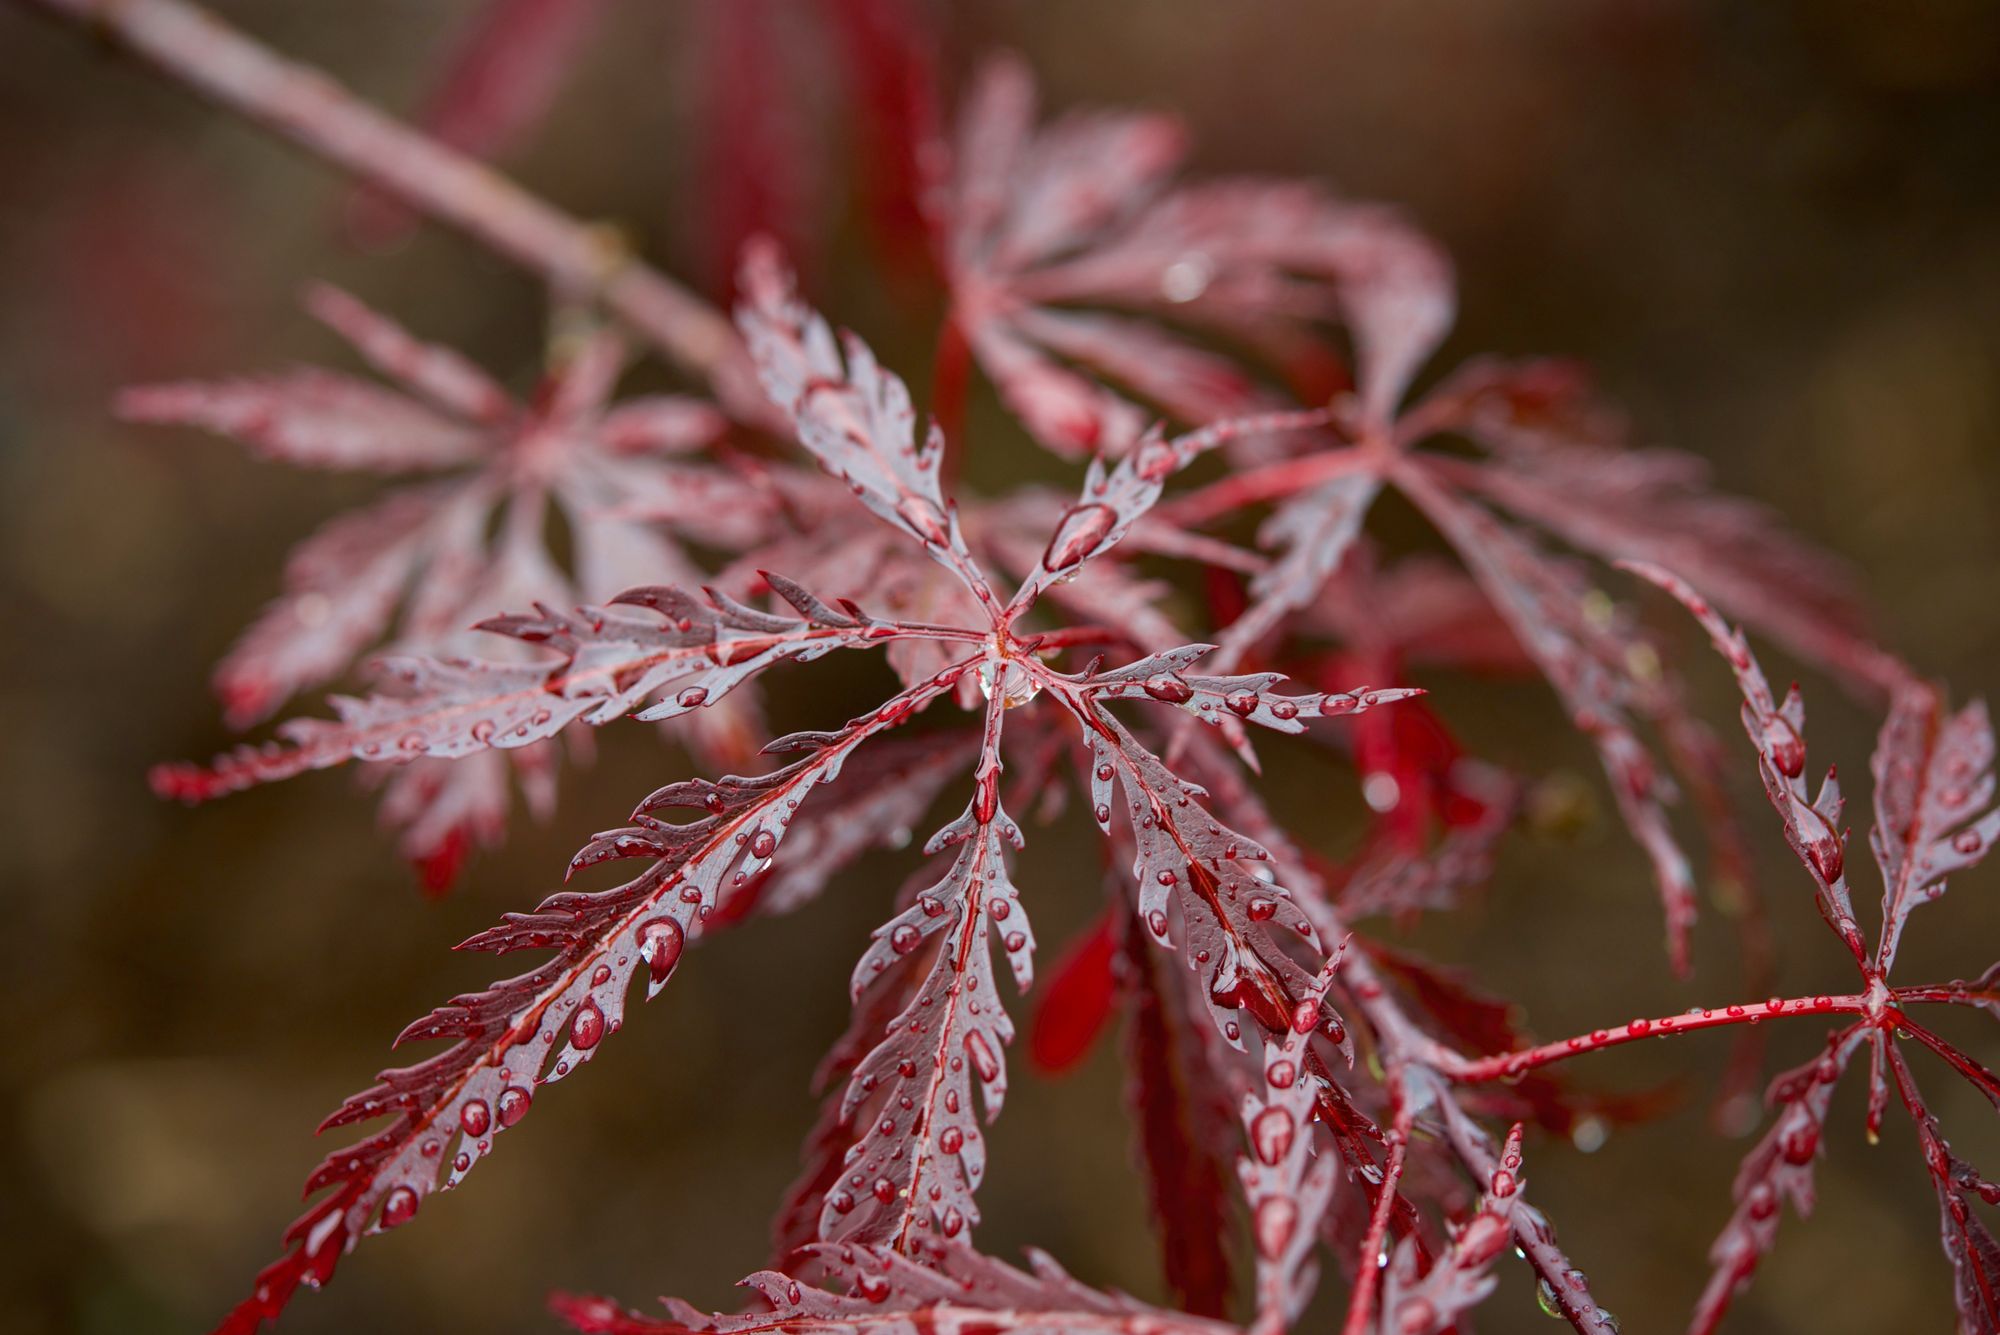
1549,461
949,1288
1934,817
1035,226
916,1151
417,566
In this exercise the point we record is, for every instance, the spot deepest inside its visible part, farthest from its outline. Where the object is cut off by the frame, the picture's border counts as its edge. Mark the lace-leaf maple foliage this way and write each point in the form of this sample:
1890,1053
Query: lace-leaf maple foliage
1334,1092
1039,226
917,1154
417,566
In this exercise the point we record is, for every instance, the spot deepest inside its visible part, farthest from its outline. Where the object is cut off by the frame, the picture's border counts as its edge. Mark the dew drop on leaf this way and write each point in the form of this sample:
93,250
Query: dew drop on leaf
1078,534
399,1207
1271,1135
513,1104
660,943
1277,1218
587,1029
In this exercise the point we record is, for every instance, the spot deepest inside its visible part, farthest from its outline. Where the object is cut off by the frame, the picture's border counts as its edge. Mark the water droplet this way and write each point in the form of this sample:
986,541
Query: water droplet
1967,842
1381,791
763,844
475,1118
1077,535
587,1028
1168,687
1416,1316
1187,277
1276,1220
1783,744
1271,1134
513,1104
1589,1134
660,943
694,697
1262,909
399,1207
1241,702
983,1060
1156,923
1281,1074
951,1140
924,518
904,938
1304,1016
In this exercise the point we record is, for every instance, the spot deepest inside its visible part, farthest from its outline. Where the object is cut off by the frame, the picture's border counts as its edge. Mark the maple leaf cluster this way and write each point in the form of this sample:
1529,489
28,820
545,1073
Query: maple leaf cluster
1229,361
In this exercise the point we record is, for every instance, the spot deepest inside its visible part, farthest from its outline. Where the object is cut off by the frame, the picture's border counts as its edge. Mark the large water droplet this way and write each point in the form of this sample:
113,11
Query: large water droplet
1271,1134
588,1027
660,943
923,516
983,1060
1169,687
1081,529
1277,1218
1786,749
475,1118
399,1207
513,1104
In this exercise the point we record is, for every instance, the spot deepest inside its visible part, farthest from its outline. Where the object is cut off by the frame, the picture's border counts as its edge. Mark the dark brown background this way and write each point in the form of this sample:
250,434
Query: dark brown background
1772,228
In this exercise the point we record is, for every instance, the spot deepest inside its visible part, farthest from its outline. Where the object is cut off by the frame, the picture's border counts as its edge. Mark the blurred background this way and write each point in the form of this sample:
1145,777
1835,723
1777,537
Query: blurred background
1773,230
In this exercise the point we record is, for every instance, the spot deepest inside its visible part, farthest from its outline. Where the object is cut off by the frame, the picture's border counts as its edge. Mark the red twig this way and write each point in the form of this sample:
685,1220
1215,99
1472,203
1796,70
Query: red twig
1507,1065
311,109
1368,1263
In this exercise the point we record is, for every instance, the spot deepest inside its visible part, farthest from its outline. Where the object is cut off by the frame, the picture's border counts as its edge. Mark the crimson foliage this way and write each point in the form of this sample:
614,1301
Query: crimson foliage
1346,1086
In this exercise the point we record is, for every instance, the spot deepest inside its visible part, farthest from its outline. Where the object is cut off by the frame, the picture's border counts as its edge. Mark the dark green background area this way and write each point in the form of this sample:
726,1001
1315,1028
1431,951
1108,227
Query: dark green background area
1773,229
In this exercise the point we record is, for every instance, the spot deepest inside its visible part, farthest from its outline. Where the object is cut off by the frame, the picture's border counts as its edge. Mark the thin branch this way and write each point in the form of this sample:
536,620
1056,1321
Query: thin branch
1507,1065
1368,1263
311,109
